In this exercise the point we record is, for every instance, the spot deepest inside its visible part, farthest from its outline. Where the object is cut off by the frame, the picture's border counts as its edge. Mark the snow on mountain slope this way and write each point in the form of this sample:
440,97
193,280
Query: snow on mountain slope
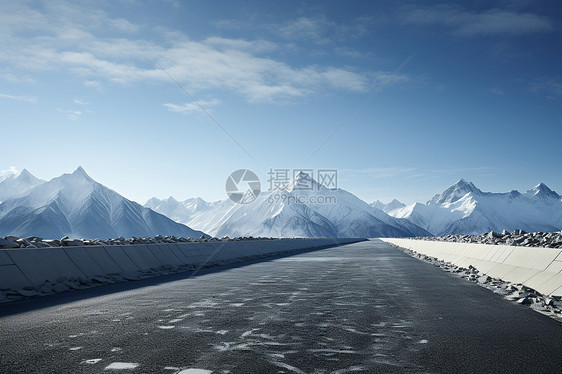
17,184
76,205
465,209
393,205
179,211
293,211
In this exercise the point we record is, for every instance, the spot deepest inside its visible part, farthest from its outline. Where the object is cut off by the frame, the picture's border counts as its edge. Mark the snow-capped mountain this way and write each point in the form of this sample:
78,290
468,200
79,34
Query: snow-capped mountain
465,209
15,185
76,205
292,211
393,205
179,211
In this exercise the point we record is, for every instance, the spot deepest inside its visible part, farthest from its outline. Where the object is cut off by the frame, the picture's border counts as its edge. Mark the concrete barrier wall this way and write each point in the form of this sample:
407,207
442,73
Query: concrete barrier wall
25,268
538,268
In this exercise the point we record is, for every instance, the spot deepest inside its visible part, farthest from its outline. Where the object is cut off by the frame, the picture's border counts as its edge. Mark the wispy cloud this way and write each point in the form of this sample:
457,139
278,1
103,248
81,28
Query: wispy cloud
17,79
71,114
192,107
466,23
93,84
122,24
551,87
348,52
80,101
73,38
306,28
29,99
12,170
321,30
496,91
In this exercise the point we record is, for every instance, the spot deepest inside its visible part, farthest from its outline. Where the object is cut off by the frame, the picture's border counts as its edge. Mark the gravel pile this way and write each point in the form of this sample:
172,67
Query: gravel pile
515,238
516,292
37,242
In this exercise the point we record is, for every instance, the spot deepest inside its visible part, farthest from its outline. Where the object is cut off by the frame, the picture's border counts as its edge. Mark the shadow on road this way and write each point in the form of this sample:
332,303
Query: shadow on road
36,303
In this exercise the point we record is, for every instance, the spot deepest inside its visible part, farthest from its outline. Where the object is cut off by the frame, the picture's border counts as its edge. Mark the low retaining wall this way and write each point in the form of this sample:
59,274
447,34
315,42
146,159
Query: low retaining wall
538,268
31,268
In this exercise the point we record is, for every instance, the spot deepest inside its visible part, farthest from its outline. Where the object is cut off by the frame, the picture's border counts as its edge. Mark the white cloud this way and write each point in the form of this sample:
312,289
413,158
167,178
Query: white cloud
80,101
122,24
306,28
71,114
497,91
319,29
94,84
12,170
466,23
17,79
348,52
29,99
549,86
68,37
255,46
192,107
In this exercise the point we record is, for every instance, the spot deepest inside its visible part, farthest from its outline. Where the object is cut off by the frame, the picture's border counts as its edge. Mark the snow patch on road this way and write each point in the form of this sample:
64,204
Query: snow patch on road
122,366
92,361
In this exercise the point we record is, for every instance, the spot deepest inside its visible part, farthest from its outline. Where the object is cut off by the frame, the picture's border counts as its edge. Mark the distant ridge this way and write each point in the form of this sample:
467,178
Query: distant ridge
465,209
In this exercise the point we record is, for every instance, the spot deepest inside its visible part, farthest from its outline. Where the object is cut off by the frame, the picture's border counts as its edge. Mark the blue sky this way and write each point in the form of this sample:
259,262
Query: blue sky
403,99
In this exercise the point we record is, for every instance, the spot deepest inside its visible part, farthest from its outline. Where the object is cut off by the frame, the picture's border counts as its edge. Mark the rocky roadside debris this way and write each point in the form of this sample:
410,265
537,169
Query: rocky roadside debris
516,238
10,242
516,292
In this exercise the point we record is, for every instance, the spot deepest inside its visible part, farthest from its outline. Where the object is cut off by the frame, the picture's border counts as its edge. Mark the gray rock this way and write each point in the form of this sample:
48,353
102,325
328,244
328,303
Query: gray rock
484,279
8,244
23,242
46,288
72,242
60,287
28,293
493,234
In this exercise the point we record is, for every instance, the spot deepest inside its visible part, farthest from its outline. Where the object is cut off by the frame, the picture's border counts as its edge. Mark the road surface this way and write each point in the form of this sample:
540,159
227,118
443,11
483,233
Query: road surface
362,308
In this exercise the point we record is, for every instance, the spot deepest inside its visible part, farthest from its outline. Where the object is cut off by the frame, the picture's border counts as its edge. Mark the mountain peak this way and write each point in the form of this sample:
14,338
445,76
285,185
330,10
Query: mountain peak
25,173
301,180
81,173
394,204
464,183
455,192
80,170
15,185
542,189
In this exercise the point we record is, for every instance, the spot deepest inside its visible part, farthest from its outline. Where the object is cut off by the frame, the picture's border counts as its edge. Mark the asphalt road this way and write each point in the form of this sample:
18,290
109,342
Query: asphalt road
364,308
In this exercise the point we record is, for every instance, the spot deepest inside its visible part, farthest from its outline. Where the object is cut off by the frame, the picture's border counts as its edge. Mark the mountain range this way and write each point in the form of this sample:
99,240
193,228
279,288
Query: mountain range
77,206
394,204
289,211
465,209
